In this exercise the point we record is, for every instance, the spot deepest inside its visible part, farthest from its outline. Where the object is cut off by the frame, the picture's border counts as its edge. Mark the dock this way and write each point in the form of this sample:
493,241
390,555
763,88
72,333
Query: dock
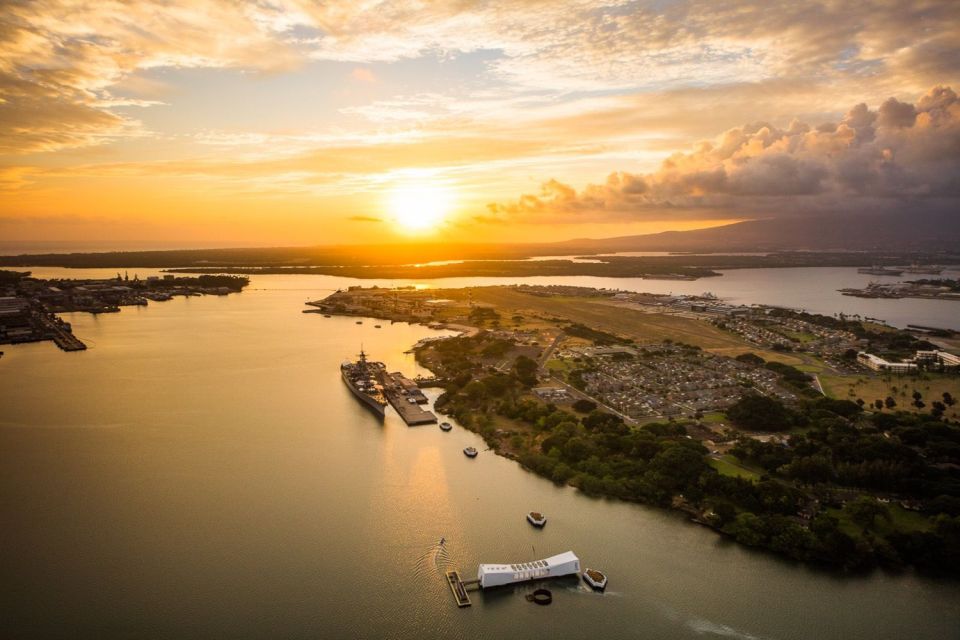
406,397
61,334
459,588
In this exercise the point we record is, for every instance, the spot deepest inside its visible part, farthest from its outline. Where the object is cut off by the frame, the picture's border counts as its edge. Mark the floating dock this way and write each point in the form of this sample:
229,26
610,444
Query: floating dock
459,589
406,397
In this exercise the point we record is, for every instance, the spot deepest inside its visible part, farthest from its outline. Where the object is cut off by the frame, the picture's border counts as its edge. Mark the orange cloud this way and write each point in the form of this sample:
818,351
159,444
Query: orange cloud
871,159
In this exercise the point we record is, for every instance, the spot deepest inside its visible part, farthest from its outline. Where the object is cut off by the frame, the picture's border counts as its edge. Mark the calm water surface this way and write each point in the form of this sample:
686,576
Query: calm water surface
812,289
201,471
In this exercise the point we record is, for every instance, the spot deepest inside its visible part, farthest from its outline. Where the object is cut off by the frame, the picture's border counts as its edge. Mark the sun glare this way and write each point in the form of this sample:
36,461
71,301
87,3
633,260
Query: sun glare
420,207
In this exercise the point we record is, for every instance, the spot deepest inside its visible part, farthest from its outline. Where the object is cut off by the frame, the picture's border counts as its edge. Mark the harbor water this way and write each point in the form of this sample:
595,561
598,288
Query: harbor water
202,471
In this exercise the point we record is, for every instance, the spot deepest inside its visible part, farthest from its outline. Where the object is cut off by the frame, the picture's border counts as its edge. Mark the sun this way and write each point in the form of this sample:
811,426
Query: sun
421,206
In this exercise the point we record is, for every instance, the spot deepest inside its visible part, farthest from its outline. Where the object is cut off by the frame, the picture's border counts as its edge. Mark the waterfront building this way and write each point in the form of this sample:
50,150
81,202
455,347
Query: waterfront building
941,358
876,363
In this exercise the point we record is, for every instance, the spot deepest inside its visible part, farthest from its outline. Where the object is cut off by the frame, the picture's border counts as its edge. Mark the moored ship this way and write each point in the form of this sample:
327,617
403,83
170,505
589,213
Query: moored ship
363,379
880,271
924,269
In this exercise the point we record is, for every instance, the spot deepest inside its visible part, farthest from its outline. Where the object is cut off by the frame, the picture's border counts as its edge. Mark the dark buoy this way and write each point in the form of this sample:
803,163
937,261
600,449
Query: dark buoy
541,597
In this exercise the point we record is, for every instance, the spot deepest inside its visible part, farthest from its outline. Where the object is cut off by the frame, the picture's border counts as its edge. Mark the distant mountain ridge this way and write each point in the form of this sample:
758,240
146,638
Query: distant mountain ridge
908,234
880,232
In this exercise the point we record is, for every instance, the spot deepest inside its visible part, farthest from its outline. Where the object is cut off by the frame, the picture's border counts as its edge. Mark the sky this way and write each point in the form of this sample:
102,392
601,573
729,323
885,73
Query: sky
290,122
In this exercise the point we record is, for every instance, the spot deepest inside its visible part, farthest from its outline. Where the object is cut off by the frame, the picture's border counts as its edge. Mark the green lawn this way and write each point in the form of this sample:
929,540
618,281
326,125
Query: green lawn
907,521
802,337
901,520
729,466
561,366
716,417
869,387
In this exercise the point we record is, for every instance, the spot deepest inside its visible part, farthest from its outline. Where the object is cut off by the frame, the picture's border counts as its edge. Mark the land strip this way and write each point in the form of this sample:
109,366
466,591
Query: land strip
607,391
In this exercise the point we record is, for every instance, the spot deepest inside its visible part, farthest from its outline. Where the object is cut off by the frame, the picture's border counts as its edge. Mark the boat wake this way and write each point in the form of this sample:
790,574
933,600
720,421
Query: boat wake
704,627
435,560
583,589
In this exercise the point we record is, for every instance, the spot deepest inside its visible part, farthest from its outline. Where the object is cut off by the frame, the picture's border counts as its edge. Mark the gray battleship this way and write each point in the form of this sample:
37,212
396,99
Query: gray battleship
363,378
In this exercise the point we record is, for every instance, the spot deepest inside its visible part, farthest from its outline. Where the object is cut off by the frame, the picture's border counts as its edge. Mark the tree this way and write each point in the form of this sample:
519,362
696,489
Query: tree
948,399
878,403
760,413
475,390
526,369
748,530
937,408
865,510
811,470
584,406
751,358
577,449
890,402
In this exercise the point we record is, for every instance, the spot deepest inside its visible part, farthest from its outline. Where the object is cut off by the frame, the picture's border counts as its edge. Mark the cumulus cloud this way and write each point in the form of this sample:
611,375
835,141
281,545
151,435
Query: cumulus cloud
871,159
59,61
605,44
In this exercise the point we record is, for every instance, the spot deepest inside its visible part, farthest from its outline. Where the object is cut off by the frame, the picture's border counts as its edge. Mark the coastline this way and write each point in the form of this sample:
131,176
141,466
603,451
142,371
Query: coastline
511,439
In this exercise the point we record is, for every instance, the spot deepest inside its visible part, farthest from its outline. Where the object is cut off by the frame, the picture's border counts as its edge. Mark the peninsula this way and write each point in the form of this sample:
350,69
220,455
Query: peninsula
763,424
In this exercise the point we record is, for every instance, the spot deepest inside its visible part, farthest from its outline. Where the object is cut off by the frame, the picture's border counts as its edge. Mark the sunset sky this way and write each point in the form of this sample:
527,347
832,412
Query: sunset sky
286,122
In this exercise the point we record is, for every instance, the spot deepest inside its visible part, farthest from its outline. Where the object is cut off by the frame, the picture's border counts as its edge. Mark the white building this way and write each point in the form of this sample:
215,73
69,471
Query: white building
938,357
949,359
879,364
495,575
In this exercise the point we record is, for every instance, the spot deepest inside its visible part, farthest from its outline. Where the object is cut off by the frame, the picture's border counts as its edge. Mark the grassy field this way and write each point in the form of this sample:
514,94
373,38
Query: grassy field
870,388
901,520
730,466
769,356
714,417
599,313
800,336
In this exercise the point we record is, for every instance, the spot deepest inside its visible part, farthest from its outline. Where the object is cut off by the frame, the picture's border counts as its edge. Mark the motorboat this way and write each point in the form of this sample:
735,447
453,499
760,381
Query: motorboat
595,579
446,426
536,518
470,452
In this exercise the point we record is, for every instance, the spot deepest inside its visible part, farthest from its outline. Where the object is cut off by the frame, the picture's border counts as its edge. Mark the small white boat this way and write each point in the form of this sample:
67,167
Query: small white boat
536,518
595,579
470,452
446,426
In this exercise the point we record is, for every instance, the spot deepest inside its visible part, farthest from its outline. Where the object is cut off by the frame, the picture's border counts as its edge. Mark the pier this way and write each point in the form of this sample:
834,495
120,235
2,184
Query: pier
459,588
406,397
61,334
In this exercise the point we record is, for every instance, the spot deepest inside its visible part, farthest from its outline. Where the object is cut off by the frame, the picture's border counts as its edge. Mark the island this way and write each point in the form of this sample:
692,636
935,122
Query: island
29,306
768,425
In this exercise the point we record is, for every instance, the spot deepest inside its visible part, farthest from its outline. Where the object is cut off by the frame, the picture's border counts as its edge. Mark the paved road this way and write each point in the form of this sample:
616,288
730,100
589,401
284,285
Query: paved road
576,393
549,350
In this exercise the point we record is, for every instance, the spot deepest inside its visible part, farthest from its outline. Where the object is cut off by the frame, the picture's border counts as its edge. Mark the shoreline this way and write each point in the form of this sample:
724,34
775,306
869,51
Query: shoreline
506,442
